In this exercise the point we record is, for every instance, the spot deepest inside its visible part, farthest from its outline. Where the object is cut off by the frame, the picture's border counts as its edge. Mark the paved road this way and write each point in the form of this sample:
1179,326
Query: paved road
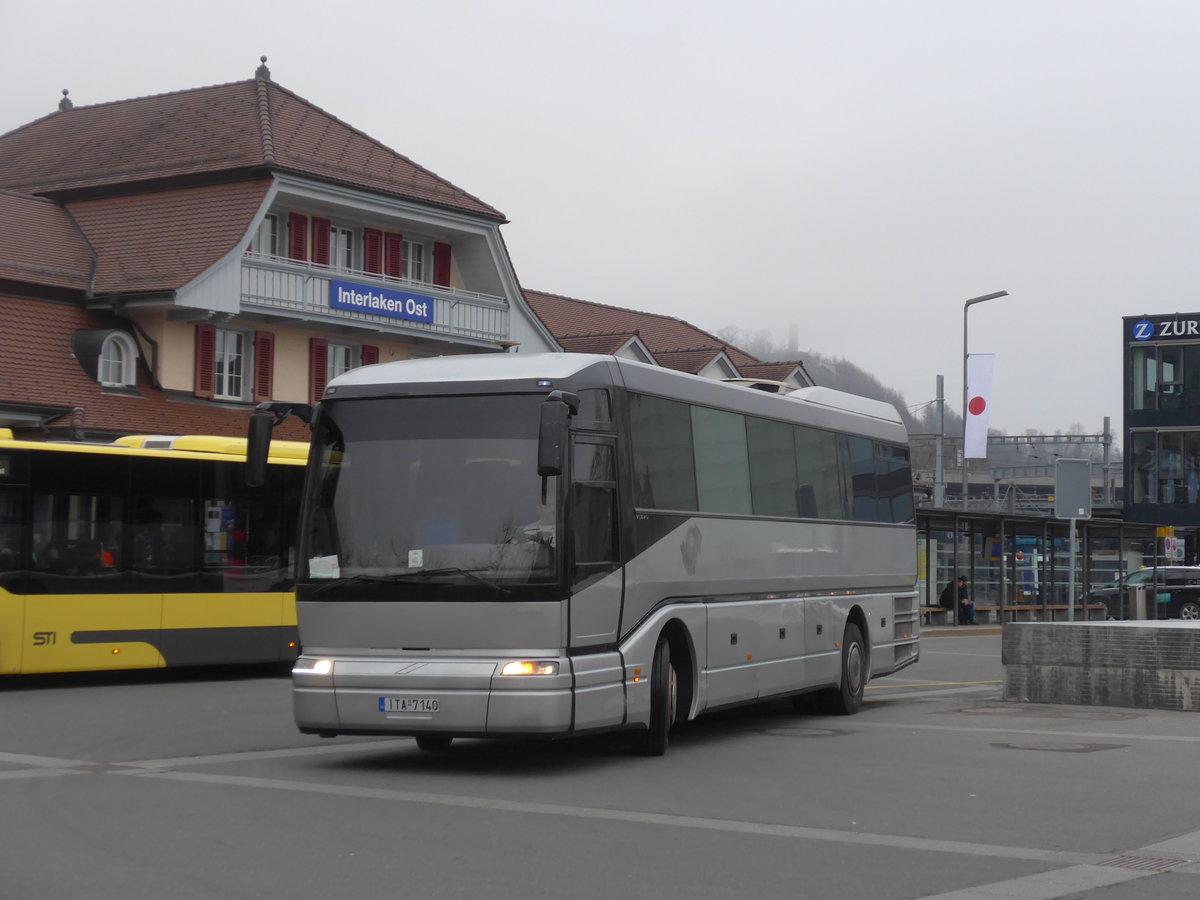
151,786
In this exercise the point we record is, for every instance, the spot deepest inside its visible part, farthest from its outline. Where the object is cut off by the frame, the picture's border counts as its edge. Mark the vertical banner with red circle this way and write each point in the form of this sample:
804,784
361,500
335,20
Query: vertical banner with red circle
979,399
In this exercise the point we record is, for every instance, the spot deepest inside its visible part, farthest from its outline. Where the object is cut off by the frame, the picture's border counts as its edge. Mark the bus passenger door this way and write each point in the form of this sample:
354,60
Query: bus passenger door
12,587
595,574
82,612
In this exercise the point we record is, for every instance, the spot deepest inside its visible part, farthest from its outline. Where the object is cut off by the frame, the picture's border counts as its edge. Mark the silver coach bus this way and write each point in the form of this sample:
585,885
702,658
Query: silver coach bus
557,544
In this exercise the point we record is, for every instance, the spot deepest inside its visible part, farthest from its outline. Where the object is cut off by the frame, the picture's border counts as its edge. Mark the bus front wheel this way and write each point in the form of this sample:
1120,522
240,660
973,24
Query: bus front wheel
847,699
663,693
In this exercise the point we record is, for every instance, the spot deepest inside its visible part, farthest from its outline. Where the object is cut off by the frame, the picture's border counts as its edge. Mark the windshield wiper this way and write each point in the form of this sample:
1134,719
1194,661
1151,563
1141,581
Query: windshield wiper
425,574
417,576
359,579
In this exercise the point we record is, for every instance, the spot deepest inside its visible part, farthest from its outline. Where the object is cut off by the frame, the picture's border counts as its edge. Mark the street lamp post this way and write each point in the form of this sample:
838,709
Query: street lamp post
965,414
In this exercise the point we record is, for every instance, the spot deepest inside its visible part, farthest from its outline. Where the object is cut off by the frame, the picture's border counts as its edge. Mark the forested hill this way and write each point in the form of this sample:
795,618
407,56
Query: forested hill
843,375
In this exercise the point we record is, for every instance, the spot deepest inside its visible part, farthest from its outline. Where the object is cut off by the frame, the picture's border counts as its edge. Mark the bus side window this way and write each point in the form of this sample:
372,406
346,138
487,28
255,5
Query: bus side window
10,530
165,535
76,534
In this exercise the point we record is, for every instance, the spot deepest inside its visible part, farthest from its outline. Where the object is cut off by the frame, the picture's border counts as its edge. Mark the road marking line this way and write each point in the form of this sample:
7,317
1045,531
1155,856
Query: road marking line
1019,729
38,773
282,753
916,684
799,832
42,762
1071,881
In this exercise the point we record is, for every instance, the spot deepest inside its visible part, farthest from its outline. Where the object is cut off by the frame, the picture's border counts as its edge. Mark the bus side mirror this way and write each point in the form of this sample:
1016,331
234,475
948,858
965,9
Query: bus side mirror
258,446
552,433
258,437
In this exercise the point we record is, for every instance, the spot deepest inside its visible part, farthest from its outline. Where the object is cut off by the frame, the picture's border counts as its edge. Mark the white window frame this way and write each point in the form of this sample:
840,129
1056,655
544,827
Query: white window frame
266,238
233,364
416,260
341,247
341,359
117,365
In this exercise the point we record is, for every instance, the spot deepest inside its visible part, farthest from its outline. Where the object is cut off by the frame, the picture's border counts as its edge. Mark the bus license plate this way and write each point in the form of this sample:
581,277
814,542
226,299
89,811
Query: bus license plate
408,704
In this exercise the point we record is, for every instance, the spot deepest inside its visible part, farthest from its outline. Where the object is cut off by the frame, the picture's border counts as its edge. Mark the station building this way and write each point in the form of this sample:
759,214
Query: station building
166,262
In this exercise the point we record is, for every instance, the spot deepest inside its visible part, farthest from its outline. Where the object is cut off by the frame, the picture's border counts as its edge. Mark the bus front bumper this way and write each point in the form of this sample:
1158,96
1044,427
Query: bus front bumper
453,696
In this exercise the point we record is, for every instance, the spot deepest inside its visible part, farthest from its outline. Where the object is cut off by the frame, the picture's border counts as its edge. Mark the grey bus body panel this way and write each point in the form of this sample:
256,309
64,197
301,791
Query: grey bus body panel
728,557
349,626
760,604
596,611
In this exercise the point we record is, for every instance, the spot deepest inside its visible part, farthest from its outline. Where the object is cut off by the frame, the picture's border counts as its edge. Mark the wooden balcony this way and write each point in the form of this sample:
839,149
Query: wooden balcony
286,288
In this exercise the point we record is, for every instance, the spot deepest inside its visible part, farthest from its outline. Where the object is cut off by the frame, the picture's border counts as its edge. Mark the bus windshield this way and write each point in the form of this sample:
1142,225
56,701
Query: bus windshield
429,489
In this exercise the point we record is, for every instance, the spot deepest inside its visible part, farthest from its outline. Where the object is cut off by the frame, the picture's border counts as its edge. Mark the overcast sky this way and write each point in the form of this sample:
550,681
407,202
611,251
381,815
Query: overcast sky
854,169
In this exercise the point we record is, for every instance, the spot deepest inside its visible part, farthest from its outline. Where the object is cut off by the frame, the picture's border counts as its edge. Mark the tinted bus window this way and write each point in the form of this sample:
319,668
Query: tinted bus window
774,488
860,458
893,477
820,493
722,466
10,529
664,467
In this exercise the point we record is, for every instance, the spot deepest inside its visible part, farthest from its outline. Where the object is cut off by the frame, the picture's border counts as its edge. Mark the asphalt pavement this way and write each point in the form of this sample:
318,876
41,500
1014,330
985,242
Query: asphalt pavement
196,785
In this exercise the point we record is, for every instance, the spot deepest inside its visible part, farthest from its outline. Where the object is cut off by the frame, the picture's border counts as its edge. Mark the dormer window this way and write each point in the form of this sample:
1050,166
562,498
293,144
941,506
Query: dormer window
118,359
266,238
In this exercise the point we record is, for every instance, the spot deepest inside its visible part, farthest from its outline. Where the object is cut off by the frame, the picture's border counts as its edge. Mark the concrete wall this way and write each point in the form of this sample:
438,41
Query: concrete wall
1144,665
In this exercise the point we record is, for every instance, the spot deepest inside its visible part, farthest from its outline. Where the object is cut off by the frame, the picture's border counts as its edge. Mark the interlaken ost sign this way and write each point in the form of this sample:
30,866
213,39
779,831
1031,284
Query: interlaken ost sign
380,301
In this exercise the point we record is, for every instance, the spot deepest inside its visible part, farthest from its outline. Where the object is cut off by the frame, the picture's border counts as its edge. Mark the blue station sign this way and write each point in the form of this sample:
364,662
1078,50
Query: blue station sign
380,301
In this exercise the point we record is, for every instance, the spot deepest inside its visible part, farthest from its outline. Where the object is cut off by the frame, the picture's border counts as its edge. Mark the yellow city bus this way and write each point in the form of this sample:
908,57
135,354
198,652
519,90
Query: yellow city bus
147,552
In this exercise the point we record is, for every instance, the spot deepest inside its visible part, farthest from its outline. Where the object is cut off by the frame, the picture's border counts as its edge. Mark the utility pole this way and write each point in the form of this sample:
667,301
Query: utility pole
939,473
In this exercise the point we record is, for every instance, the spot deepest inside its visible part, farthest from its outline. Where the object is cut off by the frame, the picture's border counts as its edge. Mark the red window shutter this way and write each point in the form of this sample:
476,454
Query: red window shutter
373,250
318,368
297,236
393,255
320,241
205,361
264,364
370,355
441,264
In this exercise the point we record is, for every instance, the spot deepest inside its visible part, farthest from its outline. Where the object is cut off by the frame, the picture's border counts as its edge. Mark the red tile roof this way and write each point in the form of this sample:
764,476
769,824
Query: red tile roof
39,244
771,371
236,127
161,241
607,343
566,317
37,369
690,359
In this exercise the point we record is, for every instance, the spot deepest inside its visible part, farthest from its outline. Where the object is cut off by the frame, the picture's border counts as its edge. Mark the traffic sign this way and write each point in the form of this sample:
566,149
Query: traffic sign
1073,489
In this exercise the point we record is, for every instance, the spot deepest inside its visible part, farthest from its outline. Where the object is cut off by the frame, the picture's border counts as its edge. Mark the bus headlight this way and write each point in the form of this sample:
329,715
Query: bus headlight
312,666
529,667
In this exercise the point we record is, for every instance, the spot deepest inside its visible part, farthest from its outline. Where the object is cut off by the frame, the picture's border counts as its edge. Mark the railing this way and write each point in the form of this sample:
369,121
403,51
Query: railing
284,285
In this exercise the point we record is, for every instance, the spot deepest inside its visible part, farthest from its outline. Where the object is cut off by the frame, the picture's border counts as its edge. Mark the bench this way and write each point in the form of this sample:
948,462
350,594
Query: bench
935,615
1030,612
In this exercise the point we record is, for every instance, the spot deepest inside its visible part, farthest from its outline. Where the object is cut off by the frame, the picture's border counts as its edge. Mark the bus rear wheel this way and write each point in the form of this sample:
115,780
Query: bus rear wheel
664,691
847,699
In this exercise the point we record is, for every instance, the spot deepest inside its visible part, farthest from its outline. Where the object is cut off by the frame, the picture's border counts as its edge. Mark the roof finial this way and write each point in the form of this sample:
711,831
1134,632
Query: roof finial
263,72
65,103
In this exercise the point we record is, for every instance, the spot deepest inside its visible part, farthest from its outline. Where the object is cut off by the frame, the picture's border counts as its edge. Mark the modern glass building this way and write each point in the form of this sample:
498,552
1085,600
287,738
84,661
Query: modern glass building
1162,420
